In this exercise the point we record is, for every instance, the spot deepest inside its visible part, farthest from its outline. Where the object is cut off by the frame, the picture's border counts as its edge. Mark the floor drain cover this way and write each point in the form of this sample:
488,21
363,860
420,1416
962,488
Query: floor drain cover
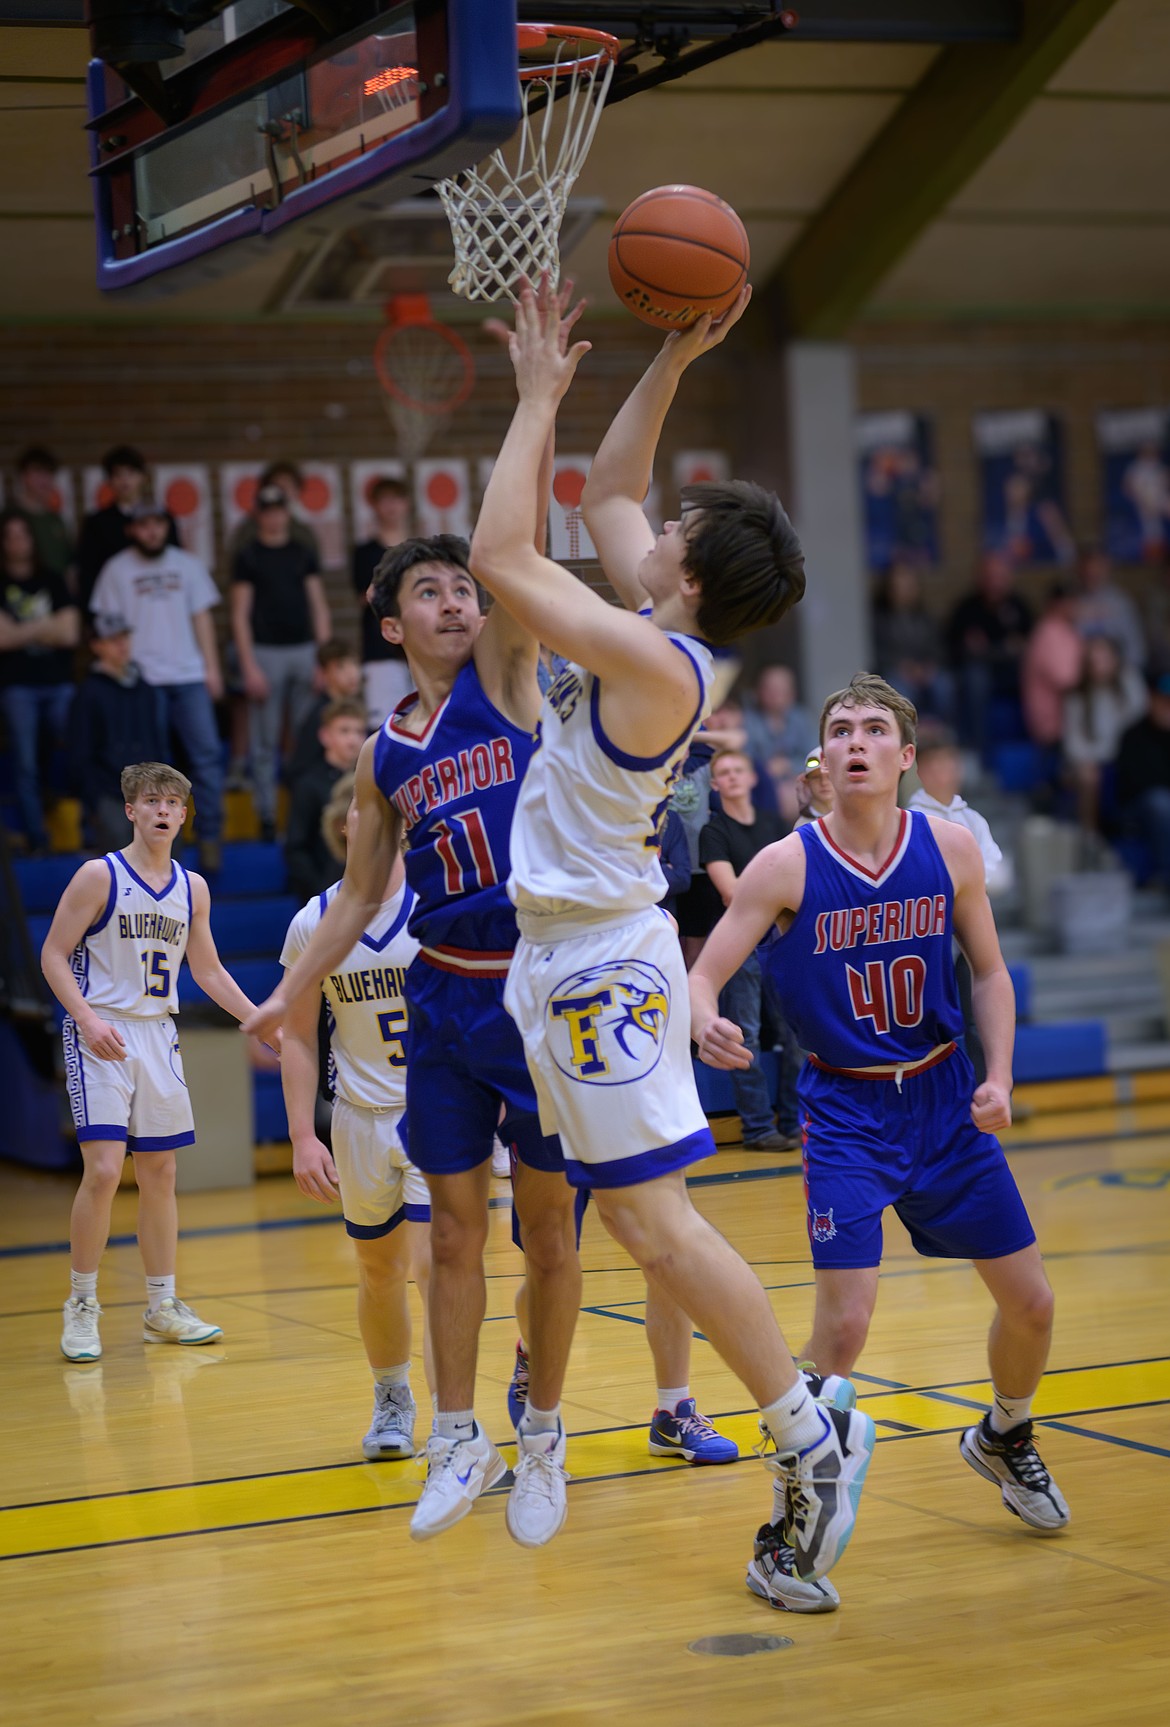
738,1643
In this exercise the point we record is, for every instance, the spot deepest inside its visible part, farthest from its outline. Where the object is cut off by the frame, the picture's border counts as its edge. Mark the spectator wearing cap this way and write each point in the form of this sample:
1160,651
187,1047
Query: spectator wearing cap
1143,778
39,627
288,477
35,493
387,675
814,790
166,595
106,532
114,720
279,617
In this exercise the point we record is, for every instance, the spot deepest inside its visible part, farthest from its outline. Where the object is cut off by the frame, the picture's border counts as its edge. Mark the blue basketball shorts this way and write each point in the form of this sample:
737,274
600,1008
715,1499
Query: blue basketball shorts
464,1059
868,1145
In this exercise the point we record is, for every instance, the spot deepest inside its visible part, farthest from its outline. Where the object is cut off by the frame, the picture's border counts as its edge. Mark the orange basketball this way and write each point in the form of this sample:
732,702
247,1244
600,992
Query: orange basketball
676,253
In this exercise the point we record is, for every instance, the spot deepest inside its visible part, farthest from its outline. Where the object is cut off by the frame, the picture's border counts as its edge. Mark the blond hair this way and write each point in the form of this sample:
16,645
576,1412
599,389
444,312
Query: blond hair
335,815
867,690
142,777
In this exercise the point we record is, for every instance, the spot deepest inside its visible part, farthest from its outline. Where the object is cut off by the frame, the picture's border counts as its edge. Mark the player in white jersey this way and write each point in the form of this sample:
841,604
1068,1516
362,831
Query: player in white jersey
597,985
384,1198
112,958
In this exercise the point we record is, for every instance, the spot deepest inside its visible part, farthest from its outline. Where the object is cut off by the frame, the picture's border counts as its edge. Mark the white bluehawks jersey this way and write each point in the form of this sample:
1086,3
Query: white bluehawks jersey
586,833
365,999
127,963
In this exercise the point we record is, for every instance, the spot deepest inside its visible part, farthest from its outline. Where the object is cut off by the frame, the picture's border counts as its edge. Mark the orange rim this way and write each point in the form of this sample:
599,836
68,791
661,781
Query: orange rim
533,36
458,347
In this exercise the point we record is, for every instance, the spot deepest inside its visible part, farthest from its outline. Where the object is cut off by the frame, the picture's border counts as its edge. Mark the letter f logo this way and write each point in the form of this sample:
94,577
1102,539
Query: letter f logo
579,1014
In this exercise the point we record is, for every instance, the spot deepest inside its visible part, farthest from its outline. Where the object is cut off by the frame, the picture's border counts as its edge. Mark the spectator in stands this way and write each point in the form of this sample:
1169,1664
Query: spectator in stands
940,776
39,628
339,679
279,615
35,493
114,720
1143,778
780,733
724,729
1105,609
311,867
734,835
1110,696
986,636
106,532
814,790
166,595
384,664
908,644
1051,668
287,477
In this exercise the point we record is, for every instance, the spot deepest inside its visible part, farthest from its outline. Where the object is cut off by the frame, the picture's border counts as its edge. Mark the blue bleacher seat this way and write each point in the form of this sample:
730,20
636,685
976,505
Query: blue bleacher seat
252,926
250,868
1074,1049
1018,766
256,977
716,1090
268,1118
42,881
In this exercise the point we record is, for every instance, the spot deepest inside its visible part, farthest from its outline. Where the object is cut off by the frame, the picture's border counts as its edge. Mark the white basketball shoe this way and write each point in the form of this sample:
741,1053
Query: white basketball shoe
458,1471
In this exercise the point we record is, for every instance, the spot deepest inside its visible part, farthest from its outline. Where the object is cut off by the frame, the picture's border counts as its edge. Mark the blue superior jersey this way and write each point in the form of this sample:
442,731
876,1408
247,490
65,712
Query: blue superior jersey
865,970
589,816
127,963
455,787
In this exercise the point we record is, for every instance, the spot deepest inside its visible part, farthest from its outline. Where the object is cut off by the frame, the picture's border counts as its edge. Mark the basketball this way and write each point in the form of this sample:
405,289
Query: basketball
675,253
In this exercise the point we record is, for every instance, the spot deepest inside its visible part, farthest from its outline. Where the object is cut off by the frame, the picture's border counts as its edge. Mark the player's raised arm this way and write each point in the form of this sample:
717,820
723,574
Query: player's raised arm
619,478
771,884
81,907
369,860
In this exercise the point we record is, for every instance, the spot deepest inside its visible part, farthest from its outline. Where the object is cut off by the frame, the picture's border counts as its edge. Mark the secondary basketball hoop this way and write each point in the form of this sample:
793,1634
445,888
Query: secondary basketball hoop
426,370
506,213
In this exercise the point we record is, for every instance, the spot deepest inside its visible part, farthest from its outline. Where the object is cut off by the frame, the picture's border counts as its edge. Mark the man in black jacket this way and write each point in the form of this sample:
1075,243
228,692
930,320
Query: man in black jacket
113,721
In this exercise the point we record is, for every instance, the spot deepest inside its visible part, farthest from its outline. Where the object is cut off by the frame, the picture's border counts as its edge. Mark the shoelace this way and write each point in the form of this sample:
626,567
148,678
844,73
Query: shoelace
86,1316
540,1470
696,1425
438,1454
1025,1463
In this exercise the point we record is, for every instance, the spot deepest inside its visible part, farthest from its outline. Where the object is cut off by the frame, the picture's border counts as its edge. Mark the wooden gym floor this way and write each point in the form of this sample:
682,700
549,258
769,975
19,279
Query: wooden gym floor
192,1537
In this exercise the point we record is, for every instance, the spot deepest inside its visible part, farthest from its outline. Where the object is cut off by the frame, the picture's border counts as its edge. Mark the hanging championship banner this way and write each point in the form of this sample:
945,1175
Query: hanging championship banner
1021,460
899,488
1135,473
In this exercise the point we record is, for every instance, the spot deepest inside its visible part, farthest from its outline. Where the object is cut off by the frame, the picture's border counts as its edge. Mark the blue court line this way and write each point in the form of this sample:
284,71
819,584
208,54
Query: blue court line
1110,1438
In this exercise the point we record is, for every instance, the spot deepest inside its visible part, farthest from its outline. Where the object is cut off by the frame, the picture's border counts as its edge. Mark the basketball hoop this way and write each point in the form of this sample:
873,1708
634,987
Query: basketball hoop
426,370
506,214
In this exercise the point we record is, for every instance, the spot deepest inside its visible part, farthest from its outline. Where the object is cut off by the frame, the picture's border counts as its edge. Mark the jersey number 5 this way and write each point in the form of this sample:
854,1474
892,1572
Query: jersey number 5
480,870
882,991
392,1025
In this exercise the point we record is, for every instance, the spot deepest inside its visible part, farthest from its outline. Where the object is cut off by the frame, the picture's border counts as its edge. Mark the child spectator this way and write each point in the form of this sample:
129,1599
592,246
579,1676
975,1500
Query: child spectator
311,865
39,627
339,677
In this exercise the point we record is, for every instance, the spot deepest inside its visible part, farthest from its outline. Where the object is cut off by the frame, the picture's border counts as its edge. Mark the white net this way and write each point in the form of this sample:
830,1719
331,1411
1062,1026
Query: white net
506,213
424,370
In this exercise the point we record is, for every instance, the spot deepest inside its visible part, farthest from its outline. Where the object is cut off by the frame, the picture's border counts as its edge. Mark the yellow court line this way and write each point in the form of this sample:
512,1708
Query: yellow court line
164,1512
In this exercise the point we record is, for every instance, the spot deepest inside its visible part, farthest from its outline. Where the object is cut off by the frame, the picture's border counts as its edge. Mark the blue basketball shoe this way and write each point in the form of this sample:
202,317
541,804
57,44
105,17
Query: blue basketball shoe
518,1388
689,1435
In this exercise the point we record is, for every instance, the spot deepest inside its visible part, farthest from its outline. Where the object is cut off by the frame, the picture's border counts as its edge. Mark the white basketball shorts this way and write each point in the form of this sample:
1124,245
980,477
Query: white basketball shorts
606,1024
380,1187
142,1101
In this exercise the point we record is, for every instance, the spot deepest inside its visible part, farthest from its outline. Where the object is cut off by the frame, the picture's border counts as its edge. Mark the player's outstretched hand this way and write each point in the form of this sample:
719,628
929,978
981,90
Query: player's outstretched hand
263,1020
542,356
991,1108
683,346
103,1039
721,1044
314,1171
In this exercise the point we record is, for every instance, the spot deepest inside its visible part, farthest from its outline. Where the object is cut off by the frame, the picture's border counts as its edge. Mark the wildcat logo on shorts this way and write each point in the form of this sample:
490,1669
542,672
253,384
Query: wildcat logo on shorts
607,1024
821,1226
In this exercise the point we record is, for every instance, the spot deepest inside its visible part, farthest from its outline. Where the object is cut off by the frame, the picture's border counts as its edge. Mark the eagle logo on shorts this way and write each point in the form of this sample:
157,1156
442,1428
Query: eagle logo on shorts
821,1226
607,1024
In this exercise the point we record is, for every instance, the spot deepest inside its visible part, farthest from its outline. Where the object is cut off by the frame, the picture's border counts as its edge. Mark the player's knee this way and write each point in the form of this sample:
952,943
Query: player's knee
103,1173
1033,1308
380,1271
155,1172
548,1243
456,1240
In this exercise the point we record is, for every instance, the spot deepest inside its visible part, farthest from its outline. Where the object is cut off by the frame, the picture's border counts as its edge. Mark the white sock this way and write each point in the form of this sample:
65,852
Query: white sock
83,1285
159,1289
670,1396
539,1420
455,1423
1008,1412
794,1420
392,1375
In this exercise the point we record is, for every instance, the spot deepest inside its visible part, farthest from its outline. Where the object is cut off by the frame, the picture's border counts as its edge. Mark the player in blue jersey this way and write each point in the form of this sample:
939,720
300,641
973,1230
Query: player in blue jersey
598,986
857,910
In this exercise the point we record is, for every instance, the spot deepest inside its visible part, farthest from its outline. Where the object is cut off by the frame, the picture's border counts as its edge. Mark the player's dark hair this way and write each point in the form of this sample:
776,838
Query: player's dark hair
389,487
448,549
332,652
282,465
37,456
123,456
744,553
344,708
867,690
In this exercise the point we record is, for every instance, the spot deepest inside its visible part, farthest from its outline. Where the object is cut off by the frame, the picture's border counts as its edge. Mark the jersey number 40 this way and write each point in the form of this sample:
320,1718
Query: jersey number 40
888,993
